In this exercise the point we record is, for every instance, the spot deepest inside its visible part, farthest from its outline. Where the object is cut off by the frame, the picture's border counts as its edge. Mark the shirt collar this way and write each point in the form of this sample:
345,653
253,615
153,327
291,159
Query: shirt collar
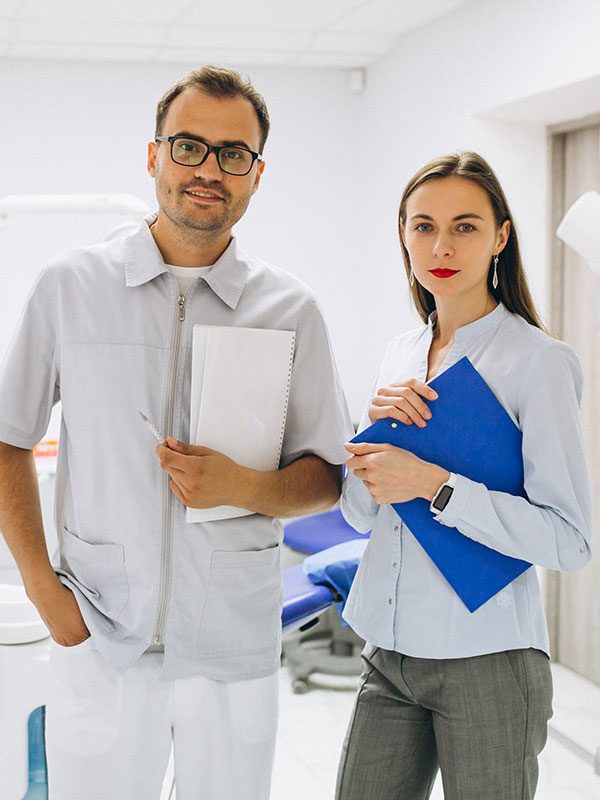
477,328
143,262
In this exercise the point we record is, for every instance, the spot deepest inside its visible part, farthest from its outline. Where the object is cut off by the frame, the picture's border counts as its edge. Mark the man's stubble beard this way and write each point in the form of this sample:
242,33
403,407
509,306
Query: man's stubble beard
189,225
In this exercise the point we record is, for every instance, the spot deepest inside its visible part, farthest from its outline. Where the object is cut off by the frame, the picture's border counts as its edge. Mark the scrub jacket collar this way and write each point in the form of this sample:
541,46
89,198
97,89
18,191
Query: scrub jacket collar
143,262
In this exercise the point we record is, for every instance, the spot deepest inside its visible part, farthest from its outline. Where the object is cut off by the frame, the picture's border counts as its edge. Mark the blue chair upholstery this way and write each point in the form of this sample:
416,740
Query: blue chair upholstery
319,532
303,600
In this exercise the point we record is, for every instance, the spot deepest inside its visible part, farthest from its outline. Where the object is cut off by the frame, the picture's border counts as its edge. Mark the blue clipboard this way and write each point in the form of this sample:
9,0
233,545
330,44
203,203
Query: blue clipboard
471,434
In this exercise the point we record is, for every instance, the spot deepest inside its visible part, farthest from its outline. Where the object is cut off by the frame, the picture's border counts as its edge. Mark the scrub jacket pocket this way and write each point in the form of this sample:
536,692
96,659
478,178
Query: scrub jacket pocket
242,609
98,571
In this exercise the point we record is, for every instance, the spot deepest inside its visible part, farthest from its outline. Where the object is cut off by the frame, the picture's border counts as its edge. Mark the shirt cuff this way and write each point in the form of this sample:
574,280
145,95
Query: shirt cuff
457,503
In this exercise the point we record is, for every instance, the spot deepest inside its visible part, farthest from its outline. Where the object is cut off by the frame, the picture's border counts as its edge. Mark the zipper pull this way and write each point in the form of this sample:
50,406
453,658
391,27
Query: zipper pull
181,303
156,641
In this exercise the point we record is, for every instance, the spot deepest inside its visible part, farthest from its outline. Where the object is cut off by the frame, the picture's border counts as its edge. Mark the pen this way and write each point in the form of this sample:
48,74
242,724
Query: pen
152,428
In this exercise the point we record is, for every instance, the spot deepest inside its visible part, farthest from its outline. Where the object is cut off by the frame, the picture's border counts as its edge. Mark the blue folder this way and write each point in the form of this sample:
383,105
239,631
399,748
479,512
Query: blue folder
471,434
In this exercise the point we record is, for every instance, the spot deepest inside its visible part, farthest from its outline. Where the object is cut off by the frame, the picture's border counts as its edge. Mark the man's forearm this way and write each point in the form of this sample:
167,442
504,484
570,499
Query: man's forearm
21,518
304,487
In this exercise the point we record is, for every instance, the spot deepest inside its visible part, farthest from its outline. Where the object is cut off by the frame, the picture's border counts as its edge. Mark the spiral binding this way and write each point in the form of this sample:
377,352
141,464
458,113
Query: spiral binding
286,399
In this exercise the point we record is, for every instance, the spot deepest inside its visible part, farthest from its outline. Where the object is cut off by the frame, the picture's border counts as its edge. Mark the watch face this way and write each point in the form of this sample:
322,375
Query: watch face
441,501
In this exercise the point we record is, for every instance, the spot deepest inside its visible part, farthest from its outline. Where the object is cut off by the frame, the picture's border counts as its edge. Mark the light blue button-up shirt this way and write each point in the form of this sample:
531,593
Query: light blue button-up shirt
399,600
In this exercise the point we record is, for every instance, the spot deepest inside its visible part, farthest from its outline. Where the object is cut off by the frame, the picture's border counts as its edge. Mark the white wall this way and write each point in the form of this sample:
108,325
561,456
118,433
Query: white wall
490,76
83,127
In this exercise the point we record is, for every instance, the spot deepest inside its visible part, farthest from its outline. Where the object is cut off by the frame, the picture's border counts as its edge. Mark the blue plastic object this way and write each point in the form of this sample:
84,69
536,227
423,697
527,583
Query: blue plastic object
318,532
471,434
302,599
336,567
38,773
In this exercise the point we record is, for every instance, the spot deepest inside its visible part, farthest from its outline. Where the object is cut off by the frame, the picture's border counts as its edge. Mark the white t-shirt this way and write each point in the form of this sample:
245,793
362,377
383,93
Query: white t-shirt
187,275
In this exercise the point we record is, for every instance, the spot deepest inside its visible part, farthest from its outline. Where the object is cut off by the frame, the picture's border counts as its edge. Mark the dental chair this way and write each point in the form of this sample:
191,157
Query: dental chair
324,645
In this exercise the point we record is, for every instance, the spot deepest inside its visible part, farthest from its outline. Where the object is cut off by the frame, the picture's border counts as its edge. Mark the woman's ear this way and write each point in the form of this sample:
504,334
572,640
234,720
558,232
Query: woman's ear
401,231
503,236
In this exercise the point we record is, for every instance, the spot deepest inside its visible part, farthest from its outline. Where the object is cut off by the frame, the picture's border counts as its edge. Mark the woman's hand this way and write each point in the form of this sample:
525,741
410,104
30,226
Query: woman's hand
393,475
402,401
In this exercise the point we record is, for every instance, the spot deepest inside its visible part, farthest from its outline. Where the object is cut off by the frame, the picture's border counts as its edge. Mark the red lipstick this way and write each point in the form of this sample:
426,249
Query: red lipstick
444,273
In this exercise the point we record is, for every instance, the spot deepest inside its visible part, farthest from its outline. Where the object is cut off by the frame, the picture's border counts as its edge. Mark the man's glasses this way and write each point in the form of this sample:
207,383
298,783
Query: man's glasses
191,152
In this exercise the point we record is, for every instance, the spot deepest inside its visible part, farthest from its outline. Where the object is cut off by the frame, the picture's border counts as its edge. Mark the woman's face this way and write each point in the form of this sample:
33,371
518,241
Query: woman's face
451,235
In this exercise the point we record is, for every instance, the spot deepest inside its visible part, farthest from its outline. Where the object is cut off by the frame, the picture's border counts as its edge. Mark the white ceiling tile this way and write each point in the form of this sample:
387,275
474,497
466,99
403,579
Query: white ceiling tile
338,42
394,15
79,32
136,11
226,58
9,8
81,52
270,14
338,60
237,38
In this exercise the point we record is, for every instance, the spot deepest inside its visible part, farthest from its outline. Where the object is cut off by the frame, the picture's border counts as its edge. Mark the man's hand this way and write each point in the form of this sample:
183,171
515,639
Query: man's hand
201,477
59,610
394,475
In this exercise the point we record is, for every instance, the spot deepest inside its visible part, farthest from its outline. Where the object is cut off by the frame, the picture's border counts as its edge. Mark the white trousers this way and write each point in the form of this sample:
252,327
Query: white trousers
109,736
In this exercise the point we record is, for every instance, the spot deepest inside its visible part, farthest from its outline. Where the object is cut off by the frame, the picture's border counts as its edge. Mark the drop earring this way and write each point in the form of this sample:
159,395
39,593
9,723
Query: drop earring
411,277
495,276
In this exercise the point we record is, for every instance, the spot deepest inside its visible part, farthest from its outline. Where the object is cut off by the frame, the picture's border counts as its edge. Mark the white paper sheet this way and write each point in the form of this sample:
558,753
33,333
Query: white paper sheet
240,387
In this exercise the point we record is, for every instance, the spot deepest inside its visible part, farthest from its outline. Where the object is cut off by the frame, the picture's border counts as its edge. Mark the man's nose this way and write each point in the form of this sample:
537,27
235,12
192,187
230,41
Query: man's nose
209,169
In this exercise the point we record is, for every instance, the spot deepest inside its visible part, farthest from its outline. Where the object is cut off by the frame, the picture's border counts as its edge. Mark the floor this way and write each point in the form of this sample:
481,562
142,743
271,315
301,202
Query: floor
312,727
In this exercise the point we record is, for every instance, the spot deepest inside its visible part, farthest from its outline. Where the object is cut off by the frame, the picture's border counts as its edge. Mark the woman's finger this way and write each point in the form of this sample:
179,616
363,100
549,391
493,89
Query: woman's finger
389,412
408,401
419,387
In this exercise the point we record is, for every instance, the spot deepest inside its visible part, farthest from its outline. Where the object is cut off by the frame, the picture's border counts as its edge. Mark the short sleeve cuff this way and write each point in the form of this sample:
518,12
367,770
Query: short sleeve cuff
457,503
17,438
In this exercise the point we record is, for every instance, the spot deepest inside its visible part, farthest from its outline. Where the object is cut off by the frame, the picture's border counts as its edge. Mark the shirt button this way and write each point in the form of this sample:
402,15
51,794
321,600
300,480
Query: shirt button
395,527
395,564
390,601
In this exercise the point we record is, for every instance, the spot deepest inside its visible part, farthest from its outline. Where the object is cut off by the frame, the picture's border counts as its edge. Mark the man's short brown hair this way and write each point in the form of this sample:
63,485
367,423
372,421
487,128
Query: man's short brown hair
217,82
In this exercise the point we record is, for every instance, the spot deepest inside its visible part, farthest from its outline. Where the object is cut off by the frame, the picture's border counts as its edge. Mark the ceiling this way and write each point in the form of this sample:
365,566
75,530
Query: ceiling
312,33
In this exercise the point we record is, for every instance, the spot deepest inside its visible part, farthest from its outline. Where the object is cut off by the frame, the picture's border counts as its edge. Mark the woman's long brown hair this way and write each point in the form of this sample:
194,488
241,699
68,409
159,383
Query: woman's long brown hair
512,289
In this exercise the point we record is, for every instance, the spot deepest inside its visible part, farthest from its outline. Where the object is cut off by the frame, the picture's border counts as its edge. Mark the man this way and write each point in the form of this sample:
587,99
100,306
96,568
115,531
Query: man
163,630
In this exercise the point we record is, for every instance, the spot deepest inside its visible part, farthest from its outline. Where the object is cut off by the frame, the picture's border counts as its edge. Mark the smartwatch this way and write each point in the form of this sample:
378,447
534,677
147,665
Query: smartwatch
443,495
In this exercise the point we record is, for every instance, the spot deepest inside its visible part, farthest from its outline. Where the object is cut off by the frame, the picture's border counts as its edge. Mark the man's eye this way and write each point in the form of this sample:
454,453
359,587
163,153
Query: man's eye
189,146
232,155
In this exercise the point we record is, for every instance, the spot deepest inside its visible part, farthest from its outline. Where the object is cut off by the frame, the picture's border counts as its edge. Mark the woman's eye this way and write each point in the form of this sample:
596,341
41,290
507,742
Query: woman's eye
424,227
465,227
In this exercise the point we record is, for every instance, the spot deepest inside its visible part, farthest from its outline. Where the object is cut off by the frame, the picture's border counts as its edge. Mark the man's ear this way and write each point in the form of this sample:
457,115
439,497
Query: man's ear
152,152
259,172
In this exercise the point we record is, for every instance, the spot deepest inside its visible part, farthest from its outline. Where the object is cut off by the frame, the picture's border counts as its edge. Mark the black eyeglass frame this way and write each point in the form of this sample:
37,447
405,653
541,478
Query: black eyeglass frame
210,148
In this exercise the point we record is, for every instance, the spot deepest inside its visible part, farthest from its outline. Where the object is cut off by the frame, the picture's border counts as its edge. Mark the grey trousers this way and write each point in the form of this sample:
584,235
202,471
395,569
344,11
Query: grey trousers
481,720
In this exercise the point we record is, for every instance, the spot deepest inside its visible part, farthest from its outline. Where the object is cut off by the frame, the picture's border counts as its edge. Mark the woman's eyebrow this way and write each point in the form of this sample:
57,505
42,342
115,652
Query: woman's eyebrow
454,219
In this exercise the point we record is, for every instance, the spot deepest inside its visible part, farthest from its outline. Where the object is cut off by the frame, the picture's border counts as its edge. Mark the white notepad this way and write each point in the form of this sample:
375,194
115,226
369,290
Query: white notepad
240,388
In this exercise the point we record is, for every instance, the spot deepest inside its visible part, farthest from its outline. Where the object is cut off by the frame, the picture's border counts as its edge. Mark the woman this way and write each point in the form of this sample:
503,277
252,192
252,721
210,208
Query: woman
468,692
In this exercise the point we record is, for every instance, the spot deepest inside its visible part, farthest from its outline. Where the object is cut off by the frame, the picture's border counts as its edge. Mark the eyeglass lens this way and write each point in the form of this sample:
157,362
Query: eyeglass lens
190,153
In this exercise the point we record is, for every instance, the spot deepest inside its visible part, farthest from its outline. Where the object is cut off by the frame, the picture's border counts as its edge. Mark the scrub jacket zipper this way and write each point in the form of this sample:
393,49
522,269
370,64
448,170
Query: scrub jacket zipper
167,532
